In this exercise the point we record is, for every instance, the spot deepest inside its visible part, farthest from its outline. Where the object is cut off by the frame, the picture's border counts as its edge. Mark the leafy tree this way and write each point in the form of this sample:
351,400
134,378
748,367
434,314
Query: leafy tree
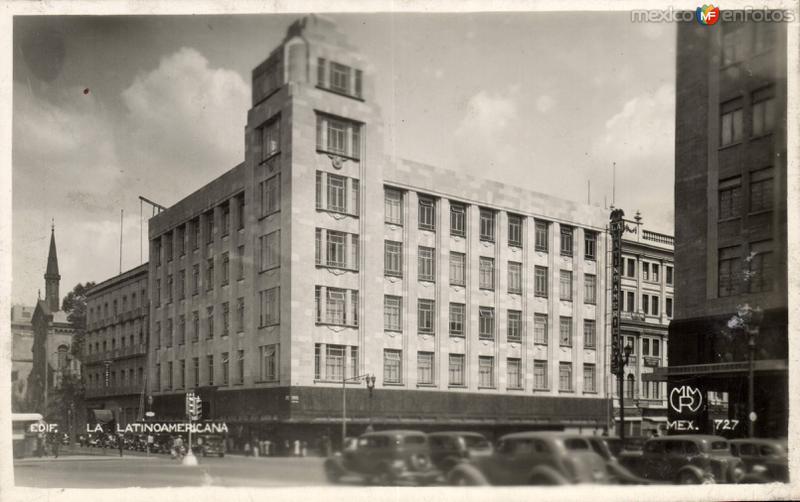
74,305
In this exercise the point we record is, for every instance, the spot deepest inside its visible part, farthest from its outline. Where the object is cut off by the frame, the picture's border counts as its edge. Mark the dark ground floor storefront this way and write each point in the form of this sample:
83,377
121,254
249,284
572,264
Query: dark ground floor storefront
113,410
294,419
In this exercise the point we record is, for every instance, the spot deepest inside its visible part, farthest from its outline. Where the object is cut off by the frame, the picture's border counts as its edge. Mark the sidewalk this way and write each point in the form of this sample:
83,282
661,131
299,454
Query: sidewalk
70,457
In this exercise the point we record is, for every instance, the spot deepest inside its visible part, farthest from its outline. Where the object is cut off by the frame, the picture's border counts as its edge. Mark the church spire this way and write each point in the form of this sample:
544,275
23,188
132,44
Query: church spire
51,275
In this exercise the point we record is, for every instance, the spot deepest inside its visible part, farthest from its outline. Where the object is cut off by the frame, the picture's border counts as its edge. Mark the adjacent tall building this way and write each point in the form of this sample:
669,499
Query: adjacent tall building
21,354
319,260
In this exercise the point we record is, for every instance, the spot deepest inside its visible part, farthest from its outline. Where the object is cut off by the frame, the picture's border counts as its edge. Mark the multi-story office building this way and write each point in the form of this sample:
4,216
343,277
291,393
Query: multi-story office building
115,347
21,354
730,222
319,260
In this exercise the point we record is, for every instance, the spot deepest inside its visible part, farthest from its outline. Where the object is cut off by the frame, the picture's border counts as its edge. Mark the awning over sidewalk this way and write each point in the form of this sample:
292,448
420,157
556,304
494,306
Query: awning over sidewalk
664,373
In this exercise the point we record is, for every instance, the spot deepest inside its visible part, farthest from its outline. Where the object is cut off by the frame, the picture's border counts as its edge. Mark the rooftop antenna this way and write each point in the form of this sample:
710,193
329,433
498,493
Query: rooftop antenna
121,212
614,184
589,192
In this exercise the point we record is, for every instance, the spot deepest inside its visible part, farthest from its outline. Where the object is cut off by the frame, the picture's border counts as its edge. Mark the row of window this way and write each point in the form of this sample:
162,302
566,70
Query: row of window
763,116
336,249
337,194
95,313
753,273
649,305
95,347
761,37
269,370
760,194
270,249
111,378
426,213
339,78
336,306
651,272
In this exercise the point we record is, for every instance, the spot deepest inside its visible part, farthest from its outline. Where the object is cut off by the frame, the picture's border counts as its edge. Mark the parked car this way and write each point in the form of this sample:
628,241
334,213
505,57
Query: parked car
450,448
765,460
385,457
685,459
605,447
211,444
534,458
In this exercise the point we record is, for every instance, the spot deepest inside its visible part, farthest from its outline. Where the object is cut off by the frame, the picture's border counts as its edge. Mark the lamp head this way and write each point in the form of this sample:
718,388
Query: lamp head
628,349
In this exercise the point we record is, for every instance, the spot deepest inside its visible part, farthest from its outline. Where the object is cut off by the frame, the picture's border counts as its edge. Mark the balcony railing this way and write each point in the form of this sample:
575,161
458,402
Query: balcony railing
632,316
120,353
113,390
668,240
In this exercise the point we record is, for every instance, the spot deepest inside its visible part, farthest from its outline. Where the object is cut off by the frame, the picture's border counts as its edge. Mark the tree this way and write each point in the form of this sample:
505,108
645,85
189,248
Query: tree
74,305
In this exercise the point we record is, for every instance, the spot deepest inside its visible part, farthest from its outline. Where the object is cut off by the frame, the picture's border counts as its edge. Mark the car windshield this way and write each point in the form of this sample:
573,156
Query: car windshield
576,444
414,440
476,442
720,446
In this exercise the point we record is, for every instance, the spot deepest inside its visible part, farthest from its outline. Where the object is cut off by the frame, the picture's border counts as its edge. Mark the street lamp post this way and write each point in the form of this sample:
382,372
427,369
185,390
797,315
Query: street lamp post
751,320
344,400
370,386
622,362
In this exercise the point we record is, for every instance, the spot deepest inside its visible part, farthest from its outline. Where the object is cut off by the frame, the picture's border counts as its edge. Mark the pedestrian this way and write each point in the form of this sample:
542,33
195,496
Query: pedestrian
120,443
303,448
247,449
55,447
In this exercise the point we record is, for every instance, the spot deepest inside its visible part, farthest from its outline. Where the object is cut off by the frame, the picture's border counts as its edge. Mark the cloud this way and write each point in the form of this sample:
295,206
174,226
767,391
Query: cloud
545,103
481,136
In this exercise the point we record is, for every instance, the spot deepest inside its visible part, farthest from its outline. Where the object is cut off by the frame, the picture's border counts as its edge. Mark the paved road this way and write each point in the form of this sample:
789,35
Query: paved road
84,471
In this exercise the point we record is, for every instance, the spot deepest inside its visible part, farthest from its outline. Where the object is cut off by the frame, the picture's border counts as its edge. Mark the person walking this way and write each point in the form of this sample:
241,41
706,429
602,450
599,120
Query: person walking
121,443
55,446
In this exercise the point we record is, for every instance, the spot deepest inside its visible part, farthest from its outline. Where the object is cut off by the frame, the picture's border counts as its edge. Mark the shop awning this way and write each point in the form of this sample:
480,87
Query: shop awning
664,373
103,416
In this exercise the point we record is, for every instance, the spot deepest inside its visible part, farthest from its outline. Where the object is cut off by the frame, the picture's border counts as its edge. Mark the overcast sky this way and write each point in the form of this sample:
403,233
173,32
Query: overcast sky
543,100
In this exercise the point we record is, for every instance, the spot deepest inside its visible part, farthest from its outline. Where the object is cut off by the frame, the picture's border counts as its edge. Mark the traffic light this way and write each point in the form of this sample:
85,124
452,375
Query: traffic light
194,406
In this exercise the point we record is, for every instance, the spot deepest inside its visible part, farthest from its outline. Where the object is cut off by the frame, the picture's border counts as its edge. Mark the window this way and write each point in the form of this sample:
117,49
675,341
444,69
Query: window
195,279
656,348
630,384
170,288
338,136
335,249
486,273
589,378
226,219
226,269
458,220
515,230
334,362
240,315
425,316
196,371
210,321
487,225
589,333
269,362
270,195
226,318
645,271
730,198
195,325
565,332
630,303
761,190
181,285
225,368
731,122
566,240
210,274
457,268
565,377
340,78
514,326
486,323
156,336
590,289
240,216
210,363
654,305
541,236
196,233
425,368
457,319
337,188
427,214
540,281
182,371
761,267
157,251
732,45
514,373
157,379
270,250
392,306
393,258
486,371
456,369
590,245
392,361
763,111
157,295
240,366
540,329
645,346
654,268
393,206
540,375
565,285
181,329
645,304
668,307
631,270
426,264
336,306
514,277
355,203
729,271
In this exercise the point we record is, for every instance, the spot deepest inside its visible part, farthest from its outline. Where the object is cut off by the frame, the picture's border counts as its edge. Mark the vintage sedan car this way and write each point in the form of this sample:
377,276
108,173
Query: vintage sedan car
610,449
211,444
385,458
534,458
765,460
450,448
685,459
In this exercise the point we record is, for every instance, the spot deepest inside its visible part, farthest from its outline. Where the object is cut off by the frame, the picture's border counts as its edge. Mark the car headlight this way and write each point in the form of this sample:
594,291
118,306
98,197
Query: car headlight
398,464
737,474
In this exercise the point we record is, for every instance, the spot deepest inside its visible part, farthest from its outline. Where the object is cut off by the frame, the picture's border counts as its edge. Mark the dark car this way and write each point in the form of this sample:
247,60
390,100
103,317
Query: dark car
534,458
450,448
605,447
211,444
685,459
386,458
765,460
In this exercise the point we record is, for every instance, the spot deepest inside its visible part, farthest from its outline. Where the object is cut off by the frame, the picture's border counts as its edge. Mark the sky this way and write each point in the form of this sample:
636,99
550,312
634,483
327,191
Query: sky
106,109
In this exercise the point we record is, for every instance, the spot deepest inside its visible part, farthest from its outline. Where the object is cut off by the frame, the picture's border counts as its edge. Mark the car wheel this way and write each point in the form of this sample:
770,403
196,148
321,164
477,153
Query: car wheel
461,479
385,477
689,478
332,473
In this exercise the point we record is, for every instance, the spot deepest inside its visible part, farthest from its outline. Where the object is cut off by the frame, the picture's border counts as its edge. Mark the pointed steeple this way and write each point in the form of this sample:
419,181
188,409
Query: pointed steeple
51,275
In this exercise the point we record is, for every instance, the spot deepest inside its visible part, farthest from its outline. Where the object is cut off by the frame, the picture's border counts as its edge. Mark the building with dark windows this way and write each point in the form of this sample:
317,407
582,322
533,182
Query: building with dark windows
319,260
115,347
21,354
731,299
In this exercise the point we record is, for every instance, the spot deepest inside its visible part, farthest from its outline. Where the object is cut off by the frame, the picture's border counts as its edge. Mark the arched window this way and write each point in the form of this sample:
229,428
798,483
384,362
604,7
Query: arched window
630,383
62,357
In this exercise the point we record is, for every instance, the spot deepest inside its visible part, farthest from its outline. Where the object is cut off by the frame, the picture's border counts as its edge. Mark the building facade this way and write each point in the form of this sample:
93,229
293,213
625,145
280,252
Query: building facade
319,260
730,215
115,347
21,354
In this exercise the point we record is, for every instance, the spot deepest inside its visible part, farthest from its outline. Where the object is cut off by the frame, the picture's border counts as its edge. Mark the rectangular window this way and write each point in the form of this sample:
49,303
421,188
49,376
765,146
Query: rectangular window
427,214
656,348
321,72
182,373
457,319
486,273
195,325
181,330
590,289
355,201
732,45
240,366
337,193
393,206
240,216
458,225
668,307
181,284
645,304
589,378
270,138
655,269
540,375
270,306
168,246
566,240
487,225
334,362
270,195
340,78
565,376
195,279
457,268
392,307
269,362
729,271
763,111
456,369
589,333
486,323
180,239
226,268
240,315
426,264
158,377
393,258
565,285
590,245
514,277
270,250
210,274
392,366
225,368
196,233
169,332
761,268
645,271
730,198
210,321
631,271
540,329
425,368
170,375
210,364
335,249
761,190
540,281
515,230
731,122
425,316
514,326
486,371
514,373
196,371
541,236
654,304
338,136
353,362
170,288
630,303
565,332
226,318
240,263
226,219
